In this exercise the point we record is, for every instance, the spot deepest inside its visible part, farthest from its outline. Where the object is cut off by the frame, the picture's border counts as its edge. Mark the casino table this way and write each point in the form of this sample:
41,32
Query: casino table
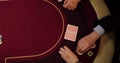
32,31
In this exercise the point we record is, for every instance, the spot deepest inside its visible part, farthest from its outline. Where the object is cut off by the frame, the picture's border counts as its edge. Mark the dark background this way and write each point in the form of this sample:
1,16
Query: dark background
115,12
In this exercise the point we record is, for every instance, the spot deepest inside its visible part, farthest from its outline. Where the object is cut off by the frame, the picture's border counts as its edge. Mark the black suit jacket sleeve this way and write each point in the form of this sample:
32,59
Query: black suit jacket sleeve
107,24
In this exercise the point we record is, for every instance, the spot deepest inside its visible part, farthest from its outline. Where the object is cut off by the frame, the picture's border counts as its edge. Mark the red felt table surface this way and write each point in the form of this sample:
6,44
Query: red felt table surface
33,30
29,29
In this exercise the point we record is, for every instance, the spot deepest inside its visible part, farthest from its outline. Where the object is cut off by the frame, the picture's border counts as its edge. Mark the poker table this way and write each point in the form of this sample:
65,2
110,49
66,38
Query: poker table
32,31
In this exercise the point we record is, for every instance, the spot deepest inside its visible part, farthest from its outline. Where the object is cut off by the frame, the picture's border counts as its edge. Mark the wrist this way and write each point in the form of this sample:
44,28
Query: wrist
94,35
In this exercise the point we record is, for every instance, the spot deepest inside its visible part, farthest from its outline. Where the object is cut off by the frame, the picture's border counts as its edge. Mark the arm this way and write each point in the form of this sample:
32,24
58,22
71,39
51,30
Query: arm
101,10
86,43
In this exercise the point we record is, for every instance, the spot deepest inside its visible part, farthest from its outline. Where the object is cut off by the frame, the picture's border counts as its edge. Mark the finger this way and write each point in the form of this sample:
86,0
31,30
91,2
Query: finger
62,49
67,5
62,53
79,53
84,49
80,49
94,46
63,57
80,46
72,8
87,48
77,48
66,48
65,2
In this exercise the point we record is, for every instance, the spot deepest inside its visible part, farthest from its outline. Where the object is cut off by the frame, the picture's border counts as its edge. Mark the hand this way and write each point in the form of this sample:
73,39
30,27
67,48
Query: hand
71,4
68,55
86,42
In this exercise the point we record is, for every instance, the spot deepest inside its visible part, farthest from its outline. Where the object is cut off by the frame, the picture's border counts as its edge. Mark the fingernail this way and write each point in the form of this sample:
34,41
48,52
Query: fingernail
79,53
93,46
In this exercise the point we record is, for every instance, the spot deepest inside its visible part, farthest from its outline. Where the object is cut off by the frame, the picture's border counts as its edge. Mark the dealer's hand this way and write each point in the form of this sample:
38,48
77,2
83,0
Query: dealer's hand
87,42
68,55
71,4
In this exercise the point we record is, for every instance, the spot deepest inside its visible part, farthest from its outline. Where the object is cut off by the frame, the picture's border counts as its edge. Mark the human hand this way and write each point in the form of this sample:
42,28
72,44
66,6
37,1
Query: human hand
86,43
70,4
68,55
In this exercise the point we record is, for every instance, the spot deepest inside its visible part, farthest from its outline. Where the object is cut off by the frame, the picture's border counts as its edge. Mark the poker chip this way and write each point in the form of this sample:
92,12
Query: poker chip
90,53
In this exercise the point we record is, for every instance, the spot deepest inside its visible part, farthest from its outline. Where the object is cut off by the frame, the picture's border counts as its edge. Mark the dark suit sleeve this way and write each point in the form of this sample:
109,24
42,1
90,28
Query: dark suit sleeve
107,24
111,23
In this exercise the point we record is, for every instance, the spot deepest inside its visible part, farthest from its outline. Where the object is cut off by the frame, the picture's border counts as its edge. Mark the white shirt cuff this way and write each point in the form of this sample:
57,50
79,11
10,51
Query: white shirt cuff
99,30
